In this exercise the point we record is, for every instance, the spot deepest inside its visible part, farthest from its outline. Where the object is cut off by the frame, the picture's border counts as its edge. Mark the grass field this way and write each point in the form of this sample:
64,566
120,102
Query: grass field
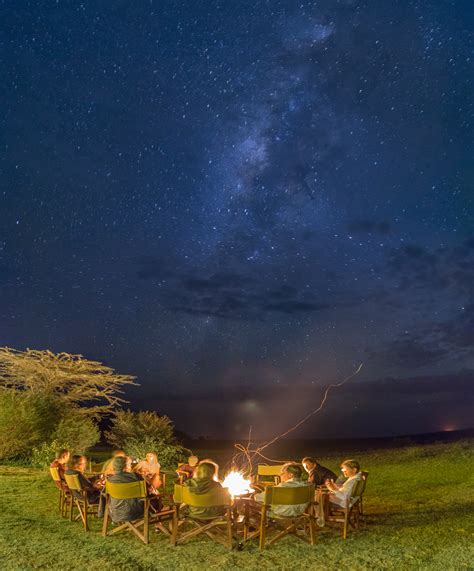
419,504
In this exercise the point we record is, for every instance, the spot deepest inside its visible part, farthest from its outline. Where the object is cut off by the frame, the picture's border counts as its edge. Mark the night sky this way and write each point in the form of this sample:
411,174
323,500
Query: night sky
239,202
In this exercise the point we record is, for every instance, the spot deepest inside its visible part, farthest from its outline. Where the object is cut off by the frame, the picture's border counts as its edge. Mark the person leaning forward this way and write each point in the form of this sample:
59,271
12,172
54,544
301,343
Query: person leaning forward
317,474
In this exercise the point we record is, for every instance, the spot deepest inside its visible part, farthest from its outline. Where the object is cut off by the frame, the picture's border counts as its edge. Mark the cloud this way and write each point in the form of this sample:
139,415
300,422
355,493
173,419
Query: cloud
406,354
442,268
231,295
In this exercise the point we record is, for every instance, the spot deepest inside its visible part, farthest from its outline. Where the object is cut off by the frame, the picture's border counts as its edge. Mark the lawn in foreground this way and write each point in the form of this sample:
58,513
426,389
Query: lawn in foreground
419,516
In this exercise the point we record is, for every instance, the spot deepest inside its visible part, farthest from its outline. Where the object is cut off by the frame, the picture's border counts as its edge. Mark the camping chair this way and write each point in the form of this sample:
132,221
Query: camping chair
351,513
264,471
286,496
64,493
219,528
80,500
130,491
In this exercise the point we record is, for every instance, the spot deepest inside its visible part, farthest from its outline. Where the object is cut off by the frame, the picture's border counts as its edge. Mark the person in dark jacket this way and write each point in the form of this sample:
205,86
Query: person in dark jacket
317,474
124,510
76,467
202,482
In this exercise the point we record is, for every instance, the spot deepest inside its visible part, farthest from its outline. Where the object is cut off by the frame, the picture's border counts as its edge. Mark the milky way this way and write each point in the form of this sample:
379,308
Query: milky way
240,202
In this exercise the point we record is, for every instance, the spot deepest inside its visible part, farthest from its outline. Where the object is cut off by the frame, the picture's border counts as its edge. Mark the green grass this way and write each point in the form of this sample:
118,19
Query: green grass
419,505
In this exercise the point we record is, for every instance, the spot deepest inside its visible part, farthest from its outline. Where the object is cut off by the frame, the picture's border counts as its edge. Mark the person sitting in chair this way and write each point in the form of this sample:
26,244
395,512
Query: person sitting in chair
76,467
124,510
60,462
317,474
185,471
203,482
150,470
108,467
341,493
290,478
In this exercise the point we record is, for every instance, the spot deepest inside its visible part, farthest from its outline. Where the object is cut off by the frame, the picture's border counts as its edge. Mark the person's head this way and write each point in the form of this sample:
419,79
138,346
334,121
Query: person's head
63,455
289,471
309,463
151,458
206,471
119,464
77,462
193,461
117,453
350,468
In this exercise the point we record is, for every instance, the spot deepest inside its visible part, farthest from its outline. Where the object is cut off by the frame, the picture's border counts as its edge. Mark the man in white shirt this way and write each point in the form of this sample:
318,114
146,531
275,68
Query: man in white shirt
290,478
341,494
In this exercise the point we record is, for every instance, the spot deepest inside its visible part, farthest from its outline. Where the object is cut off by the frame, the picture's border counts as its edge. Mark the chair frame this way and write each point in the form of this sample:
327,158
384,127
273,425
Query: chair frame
134,490
212,526
275,495
352,512
84,508
65,496
273,470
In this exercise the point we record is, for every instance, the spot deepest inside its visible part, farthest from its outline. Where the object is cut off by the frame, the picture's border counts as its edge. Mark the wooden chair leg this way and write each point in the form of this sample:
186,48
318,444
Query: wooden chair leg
263,524
146,533
229,528
246,520
174,532
106,518
346,521
311,531
86,509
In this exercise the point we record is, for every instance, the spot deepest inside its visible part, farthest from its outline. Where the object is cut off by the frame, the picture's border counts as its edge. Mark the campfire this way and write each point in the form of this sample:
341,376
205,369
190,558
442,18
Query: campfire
236,484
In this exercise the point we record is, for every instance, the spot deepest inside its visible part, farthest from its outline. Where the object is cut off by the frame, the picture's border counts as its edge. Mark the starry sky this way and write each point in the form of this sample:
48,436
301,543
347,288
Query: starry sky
239,202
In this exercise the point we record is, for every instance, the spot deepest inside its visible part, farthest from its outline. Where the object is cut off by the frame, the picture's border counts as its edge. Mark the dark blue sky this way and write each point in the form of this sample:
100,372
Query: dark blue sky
240,202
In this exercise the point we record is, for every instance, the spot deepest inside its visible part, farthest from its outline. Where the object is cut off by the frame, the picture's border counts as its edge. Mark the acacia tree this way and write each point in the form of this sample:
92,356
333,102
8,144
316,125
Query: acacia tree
74,380
47,397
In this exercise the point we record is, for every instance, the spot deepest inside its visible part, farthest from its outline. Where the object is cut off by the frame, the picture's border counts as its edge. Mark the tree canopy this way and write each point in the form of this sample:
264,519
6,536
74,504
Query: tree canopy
89,385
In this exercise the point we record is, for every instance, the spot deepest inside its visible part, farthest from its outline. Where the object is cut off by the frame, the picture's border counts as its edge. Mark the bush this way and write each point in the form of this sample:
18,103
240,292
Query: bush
141,432
45,453
26,420
78,431
32,425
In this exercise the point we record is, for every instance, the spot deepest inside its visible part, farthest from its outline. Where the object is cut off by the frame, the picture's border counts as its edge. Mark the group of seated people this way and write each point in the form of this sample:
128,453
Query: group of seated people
204,478
200,477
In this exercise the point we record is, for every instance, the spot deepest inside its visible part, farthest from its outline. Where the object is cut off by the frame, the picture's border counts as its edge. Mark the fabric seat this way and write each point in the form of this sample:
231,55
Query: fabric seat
302,526
80,500
218,528
65,497
265,471
141,526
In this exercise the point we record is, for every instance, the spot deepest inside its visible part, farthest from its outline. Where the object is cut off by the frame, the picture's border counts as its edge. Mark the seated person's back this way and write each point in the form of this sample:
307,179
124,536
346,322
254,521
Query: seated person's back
108,467
201,483
129,509
290,478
